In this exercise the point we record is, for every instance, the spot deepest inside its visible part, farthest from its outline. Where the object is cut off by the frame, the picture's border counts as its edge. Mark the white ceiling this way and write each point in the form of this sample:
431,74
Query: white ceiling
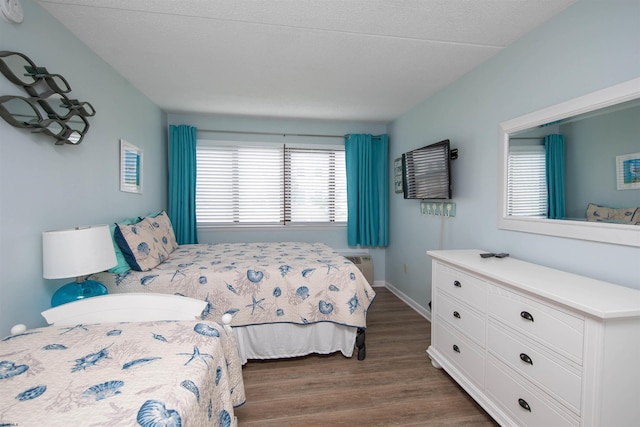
366,60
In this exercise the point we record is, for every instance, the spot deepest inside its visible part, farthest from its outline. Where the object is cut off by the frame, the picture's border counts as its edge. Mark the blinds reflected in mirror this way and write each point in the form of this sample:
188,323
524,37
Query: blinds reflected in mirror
527,183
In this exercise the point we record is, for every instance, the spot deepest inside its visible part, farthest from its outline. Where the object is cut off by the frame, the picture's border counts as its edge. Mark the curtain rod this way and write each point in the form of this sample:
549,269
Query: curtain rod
531,137
275,133
269,133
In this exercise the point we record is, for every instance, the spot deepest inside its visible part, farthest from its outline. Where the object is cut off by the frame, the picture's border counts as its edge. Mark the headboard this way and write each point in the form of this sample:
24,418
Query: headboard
126,307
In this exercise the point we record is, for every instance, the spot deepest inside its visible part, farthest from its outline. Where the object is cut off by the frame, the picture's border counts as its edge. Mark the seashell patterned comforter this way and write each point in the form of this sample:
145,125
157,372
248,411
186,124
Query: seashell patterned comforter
171,373
257,283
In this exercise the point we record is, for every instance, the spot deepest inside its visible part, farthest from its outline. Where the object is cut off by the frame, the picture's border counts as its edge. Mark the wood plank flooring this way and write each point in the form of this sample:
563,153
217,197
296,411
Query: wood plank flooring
394,386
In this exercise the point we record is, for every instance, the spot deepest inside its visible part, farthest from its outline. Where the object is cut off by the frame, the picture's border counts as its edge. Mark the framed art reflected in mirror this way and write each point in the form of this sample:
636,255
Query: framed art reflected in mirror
130,168
628,171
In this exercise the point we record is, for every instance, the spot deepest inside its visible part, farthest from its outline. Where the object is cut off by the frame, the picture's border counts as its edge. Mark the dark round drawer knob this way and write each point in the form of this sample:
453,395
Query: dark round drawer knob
526,315
456,348
524,405
457,284
526,359
456,314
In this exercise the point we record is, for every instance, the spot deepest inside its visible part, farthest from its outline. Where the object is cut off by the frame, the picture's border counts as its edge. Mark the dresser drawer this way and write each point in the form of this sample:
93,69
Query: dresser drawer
468,357
521,401
562,381
548,325
461,317
462,286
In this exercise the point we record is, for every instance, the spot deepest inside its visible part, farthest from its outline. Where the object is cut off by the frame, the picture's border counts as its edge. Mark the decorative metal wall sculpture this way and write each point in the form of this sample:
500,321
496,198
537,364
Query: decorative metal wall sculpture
47,109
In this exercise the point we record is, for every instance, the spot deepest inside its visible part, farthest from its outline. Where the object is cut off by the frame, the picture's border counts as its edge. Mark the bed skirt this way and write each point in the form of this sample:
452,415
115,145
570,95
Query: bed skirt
284,340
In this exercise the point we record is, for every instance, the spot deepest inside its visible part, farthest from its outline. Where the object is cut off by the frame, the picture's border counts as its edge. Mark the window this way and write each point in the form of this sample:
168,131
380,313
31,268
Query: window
527,183
270,184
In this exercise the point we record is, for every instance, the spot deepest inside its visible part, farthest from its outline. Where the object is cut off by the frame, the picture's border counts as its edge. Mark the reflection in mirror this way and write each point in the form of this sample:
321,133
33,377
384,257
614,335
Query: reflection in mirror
13,66
19,111
595,129
78,123
55,105
591,143
73,137
86,109
58,83
50,127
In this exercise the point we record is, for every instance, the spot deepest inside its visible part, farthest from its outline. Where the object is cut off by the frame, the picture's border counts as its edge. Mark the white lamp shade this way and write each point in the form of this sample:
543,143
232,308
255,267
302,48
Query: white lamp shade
77,252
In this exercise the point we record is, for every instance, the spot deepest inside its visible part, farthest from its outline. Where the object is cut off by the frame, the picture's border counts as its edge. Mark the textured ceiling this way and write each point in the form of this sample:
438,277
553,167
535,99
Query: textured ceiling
327,59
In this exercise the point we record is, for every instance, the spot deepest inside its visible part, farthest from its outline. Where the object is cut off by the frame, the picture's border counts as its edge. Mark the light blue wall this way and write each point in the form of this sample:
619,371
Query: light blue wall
591,148
336,237
589,46
44,186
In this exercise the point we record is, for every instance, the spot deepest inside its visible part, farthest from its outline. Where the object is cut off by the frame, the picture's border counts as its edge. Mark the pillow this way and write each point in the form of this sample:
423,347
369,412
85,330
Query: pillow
122,266
151,215
141,248
163,230
597,213
636,218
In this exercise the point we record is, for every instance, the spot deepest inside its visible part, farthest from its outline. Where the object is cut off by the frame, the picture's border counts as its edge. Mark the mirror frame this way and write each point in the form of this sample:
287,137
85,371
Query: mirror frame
620,234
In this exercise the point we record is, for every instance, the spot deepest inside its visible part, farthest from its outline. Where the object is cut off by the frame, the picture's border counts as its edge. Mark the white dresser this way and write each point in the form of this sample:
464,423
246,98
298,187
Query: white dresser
536,346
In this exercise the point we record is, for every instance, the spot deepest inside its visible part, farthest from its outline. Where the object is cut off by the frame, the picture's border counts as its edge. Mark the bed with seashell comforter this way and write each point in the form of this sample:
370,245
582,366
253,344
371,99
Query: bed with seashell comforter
274,291
159,373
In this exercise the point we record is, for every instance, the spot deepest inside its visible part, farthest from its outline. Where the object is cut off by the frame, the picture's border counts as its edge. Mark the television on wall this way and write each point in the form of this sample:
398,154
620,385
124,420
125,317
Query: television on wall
426,172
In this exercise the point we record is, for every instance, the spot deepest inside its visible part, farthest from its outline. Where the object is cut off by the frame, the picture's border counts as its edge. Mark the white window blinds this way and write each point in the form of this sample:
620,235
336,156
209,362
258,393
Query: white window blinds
527,183
269,184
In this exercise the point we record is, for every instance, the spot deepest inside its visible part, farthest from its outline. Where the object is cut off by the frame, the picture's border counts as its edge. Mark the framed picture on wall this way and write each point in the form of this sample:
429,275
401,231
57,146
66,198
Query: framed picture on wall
130,168
628,171
397,174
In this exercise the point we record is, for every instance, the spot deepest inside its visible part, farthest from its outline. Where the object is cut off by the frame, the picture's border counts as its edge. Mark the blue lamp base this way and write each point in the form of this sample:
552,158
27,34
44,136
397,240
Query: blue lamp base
74,291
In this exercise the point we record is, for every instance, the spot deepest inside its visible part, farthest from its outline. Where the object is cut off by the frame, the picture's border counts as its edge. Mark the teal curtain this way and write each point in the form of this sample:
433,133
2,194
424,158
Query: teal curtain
367,189
555,170
182,183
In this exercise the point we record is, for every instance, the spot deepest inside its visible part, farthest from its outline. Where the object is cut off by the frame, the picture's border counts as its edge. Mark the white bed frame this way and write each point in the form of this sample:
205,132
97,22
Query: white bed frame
129,307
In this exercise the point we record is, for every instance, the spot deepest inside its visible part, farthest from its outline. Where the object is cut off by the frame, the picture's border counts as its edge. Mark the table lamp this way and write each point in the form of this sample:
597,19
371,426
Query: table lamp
77,252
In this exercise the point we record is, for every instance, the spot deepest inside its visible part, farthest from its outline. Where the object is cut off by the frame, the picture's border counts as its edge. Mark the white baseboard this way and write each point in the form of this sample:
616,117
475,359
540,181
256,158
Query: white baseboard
424,312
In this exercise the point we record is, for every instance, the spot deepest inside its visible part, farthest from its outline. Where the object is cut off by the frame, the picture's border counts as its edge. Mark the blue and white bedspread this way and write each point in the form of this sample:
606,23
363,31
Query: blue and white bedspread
280,282
177,373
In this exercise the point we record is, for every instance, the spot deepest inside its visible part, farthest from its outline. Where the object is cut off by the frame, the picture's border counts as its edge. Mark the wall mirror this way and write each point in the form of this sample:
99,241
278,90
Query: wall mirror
130,168
593,140
47,110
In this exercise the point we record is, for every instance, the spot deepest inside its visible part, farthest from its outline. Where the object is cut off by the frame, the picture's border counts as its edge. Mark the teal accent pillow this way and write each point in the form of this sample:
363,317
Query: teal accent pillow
122,266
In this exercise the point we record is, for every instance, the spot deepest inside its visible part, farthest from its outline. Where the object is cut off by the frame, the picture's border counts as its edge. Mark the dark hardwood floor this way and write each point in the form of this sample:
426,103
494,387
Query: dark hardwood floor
394,386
